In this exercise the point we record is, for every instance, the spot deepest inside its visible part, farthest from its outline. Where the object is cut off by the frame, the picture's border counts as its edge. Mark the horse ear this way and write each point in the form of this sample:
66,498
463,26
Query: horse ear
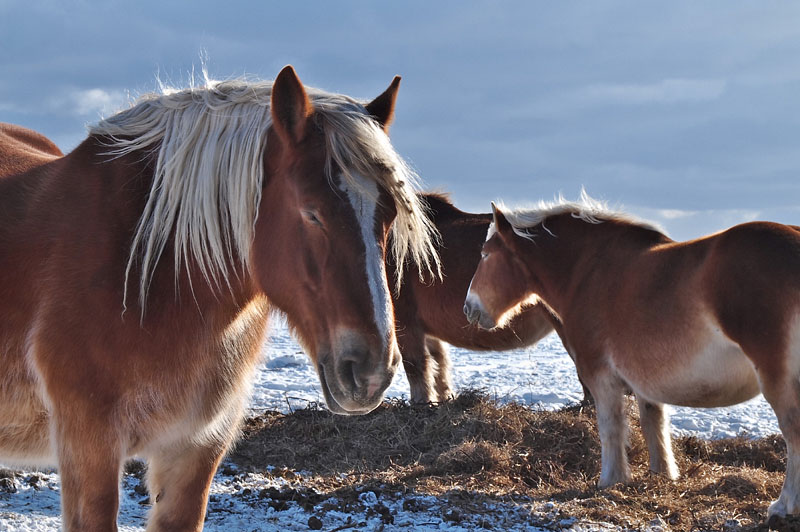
501,224
382,107
290,106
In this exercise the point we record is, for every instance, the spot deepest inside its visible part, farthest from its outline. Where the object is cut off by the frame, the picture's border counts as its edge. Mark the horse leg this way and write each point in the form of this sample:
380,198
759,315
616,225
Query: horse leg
90,465
587,395
783,394
612,424
417,363
655,426
179,479
437,350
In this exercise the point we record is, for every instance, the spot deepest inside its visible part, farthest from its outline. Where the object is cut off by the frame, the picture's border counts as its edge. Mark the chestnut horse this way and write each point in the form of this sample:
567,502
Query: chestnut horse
138,273
429,313
704,323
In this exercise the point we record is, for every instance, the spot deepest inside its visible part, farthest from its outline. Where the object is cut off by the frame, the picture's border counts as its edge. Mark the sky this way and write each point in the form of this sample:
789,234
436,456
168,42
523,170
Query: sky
685,113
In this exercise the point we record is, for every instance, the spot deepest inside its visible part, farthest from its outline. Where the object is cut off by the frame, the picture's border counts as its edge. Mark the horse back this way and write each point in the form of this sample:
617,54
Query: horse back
689,323
22,149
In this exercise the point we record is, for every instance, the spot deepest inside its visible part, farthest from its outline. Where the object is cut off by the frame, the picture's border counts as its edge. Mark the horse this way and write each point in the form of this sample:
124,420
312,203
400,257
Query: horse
24,149
708,322
429,312
139,272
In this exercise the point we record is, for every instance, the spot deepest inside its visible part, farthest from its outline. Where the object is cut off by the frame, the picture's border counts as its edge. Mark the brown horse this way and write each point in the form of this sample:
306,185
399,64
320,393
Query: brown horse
139,270
429,313
705,323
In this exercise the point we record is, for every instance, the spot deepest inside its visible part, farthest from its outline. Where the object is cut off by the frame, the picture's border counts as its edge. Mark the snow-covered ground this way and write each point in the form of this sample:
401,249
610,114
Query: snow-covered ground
542,376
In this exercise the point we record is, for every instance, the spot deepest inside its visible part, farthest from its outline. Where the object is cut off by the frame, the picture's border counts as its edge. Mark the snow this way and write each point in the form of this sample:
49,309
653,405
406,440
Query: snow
542,376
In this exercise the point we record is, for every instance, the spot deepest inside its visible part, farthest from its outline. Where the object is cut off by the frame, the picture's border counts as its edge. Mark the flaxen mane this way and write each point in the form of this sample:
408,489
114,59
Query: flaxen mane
588,209
208,144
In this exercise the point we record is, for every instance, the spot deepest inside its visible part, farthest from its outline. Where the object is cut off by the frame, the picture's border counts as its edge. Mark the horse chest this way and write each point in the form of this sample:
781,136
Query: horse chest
207,396
236,357
707,370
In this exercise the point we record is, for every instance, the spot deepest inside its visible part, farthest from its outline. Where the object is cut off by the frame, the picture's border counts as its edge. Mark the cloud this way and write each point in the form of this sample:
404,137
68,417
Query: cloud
674,214
96,101
64,104
668,91
665,91
90,103
686,224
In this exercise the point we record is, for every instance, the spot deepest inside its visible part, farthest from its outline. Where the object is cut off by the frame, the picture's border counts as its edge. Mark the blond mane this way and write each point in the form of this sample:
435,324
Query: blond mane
208,143
588,209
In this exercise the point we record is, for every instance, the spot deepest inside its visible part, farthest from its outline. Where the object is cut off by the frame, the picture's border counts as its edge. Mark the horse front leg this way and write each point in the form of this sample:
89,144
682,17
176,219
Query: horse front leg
179,479
612,424
90,465
559,328
443,383
417,363
655,427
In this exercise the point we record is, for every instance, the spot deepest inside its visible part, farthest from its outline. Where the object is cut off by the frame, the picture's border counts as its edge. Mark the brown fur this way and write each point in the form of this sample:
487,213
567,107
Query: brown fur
26,149
430,313
86,386
709,322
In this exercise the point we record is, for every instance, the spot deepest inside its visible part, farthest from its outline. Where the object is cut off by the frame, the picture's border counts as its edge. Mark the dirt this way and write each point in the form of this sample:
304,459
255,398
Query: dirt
473,451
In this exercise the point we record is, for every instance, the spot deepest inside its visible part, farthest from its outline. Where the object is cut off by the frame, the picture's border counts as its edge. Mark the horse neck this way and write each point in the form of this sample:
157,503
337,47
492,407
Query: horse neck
28,199
92,193
462,235
25,160
568,254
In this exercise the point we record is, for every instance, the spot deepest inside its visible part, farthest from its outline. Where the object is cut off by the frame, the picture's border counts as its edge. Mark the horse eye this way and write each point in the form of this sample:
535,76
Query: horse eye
312,217
484,254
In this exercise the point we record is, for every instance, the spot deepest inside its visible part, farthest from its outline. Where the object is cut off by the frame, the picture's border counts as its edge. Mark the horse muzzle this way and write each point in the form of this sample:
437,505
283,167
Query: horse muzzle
352,383
476,314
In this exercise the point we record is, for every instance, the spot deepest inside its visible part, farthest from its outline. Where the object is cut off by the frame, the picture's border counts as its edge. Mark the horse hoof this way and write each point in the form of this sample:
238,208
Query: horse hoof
777,509
422,398
446,397
604,483
667,470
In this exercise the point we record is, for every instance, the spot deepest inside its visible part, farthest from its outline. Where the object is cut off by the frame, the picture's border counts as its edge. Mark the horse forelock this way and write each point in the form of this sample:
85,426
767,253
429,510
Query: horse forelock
367,151
524,219
208,144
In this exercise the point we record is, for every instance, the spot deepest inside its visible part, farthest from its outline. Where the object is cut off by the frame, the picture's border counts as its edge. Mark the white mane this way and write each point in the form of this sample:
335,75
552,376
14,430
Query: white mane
208,144
588,209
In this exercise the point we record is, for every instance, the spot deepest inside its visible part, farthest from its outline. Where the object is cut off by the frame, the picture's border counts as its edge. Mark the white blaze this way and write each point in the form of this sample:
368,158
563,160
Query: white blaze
363,200
472,297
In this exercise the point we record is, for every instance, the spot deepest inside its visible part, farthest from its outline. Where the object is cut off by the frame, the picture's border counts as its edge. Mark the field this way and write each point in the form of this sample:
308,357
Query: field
513,452
479,455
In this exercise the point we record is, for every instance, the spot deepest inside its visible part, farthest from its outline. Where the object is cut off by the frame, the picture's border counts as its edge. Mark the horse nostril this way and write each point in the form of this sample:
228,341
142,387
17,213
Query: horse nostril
471,312
353,372
348,375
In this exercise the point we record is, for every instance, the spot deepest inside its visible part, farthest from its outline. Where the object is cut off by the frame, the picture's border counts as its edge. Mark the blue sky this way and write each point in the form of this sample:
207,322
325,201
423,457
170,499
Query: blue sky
687,113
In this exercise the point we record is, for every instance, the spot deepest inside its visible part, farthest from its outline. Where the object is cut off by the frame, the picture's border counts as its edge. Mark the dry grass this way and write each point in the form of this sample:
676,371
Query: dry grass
473,448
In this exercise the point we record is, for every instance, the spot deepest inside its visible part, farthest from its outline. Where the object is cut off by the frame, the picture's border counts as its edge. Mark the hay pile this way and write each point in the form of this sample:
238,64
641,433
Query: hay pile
473,448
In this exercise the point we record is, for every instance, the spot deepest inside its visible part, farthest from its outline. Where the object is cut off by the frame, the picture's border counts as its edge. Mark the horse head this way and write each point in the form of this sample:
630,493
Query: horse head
501,284
330,197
